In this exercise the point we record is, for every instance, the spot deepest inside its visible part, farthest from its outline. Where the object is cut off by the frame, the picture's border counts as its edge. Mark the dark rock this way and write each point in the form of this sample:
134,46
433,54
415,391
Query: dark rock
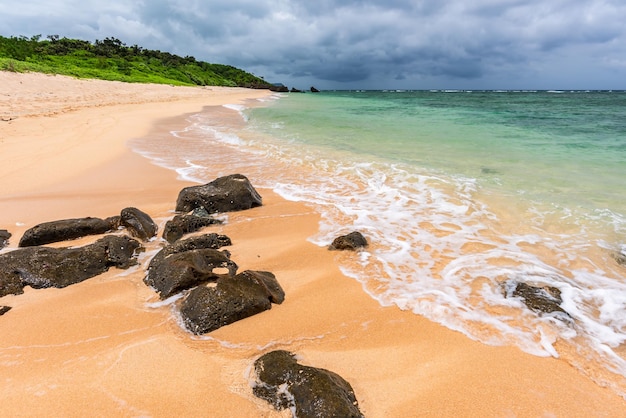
538,299
352,241
314,90
180,225
184,270
278,87
4,238
63,230
308,391
620,257
295,90
138,223
208,308
41,267
225,194
4,309
213,241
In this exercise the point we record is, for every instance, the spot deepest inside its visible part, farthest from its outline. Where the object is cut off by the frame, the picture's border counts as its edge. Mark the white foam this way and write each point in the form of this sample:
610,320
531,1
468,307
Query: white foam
422,226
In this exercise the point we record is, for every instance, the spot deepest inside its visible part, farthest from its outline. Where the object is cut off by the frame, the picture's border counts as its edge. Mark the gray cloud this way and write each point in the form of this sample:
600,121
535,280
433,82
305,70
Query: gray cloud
361,43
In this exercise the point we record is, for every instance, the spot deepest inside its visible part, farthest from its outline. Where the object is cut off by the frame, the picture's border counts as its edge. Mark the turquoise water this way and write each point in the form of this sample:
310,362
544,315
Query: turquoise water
459,193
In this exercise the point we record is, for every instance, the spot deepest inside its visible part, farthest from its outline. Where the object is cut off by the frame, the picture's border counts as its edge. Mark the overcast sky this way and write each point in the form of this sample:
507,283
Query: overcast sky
347,44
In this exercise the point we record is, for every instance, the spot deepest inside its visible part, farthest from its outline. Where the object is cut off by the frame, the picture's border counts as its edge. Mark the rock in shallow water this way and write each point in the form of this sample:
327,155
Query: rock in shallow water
308,391
538,299
208,308
353,241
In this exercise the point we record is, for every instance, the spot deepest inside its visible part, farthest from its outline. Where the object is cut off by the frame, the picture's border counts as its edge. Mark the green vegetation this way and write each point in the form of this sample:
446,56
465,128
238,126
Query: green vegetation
111,59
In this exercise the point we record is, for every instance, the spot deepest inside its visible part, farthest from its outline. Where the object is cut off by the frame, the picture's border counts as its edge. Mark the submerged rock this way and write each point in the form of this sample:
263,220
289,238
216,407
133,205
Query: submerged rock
4,309
184,270
63,230
225,194
208,308
307,391
138,223
41,267
543,300
180,225
619,256
353,241
4,238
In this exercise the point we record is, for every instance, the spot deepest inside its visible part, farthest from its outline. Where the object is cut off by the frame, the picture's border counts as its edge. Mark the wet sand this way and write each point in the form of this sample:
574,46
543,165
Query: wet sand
107,347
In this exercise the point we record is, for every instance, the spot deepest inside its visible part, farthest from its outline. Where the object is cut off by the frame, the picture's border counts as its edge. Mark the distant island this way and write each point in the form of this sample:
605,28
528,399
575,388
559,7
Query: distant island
111,59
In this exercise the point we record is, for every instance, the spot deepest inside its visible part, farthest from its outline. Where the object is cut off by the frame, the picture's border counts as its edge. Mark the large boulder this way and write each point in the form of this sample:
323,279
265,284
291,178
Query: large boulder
180,271
138,223
307,391
180,225
41,267
224,194
63,230
542,300
4,238
208,308
353,241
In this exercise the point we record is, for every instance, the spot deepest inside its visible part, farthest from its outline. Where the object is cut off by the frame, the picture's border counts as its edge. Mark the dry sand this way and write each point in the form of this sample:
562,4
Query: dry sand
101,348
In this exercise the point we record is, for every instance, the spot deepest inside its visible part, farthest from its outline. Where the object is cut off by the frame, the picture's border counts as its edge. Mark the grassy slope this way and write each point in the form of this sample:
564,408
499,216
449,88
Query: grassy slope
115,61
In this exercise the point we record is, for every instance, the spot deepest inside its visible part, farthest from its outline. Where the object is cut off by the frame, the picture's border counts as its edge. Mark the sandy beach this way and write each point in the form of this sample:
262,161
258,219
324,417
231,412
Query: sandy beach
107,347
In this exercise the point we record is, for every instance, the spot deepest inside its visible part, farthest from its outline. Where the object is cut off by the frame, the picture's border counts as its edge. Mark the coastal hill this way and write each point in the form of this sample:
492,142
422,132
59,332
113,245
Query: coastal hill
111,59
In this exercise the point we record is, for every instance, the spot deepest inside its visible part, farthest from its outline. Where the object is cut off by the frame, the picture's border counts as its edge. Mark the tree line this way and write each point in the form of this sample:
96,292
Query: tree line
111,58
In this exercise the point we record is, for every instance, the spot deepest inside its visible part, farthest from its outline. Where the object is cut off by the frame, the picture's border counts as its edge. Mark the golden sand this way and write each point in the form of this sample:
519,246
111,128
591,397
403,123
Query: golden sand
106,347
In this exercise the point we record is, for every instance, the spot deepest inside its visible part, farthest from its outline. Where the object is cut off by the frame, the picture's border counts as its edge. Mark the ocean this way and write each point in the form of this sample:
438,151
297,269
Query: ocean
461,194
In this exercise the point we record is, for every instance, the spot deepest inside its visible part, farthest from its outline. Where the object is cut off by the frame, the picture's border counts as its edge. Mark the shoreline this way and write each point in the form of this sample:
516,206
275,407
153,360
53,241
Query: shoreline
99,346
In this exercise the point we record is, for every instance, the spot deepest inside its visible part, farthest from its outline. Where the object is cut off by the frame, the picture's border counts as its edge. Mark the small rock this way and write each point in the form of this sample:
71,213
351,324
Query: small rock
4,309
353,241
4,238
138,223
538,299
180,225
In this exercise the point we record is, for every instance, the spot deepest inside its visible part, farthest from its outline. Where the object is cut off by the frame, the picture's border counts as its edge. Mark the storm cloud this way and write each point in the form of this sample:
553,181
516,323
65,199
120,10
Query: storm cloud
568,44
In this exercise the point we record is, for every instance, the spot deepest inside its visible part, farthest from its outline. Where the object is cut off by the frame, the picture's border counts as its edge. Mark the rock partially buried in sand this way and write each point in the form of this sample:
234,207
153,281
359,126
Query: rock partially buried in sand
4,309
4,238
41,267
225,194
180,225
543,300
184,270
307,391
208,308
353,241
138,223
65,229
